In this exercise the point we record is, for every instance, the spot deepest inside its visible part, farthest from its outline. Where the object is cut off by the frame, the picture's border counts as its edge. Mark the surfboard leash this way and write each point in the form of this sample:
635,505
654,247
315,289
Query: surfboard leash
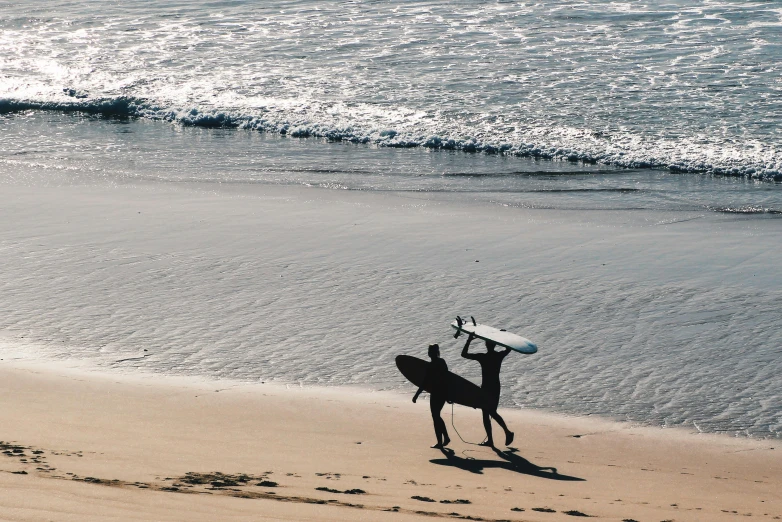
459,434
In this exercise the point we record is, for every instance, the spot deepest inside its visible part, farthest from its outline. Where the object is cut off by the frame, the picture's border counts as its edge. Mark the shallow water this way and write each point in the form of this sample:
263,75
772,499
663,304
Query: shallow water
653,293
124,235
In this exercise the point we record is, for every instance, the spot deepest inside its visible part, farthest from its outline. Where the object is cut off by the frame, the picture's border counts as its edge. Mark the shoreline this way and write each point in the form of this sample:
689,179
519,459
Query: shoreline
143,377
154,447
248,283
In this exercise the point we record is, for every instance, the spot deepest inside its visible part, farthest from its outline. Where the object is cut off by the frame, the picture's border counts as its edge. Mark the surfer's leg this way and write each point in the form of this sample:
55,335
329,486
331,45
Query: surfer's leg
493,399
494,395
501,422
444,432
436,405
487,427
446,438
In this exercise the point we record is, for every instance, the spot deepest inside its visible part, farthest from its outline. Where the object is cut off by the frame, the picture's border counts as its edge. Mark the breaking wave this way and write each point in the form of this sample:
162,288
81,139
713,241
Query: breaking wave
691,87
585,146
748,210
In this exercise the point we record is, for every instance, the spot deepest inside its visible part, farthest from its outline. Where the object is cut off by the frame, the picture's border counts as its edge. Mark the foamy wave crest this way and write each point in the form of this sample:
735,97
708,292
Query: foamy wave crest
119,106
558,143
748,210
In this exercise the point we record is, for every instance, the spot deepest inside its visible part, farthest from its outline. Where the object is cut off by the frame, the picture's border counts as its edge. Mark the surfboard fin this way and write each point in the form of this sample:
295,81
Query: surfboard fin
459,323
473,321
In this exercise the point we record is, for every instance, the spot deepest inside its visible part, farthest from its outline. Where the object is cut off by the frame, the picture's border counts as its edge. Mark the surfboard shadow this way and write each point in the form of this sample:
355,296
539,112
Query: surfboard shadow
510,461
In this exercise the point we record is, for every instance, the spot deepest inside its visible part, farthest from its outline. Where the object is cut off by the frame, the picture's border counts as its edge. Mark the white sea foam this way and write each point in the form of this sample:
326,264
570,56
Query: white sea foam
692,87
86,149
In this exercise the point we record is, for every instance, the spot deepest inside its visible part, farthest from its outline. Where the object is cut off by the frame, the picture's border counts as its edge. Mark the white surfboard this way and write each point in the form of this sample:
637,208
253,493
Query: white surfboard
489,333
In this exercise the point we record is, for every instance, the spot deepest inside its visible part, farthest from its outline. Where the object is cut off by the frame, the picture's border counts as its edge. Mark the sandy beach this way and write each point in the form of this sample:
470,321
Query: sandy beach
222,224
85,446
140,323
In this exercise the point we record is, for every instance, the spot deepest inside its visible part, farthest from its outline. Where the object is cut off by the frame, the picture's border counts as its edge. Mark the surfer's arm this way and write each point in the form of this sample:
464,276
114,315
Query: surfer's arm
465,354
415,397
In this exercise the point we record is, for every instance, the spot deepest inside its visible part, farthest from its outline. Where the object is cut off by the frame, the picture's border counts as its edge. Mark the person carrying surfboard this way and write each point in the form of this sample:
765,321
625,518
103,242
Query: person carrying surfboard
437,381
491,362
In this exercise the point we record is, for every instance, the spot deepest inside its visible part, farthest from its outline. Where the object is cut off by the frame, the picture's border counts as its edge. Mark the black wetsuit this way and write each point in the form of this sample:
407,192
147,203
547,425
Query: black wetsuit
490,374
436,381
491,362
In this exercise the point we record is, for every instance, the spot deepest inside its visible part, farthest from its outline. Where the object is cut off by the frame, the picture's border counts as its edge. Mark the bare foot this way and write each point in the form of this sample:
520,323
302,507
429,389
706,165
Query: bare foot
508,438
487,444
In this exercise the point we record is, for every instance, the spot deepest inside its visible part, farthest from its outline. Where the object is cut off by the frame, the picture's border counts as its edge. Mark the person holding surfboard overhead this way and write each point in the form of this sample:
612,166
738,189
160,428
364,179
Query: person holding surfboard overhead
491,362
436,380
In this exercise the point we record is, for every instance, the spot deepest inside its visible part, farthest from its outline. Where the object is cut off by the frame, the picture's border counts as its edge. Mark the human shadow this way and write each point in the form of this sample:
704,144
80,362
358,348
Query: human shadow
510,461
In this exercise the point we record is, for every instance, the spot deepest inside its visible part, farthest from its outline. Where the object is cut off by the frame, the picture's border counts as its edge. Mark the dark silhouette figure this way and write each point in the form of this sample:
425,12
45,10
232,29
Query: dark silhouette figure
436,380
491,362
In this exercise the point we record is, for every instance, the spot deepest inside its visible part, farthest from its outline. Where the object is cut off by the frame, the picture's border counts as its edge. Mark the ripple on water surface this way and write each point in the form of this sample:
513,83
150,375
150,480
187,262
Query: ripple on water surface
691,85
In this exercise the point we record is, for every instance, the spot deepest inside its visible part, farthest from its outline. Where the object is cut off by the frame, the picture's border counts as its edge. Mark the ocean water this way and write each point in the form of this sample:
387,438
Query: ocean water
648,113
692,85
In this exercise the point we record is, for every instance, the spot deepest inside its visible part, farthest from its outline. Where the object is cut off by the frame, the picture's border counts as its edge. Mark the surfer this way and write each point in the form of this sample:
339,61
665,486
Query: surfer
491,362
437,381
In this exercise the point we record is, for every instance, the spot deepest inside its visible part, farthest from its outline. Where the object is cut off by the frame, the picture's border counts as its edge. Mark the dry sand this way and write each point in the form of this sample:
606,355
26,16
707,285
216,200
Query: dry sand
88,446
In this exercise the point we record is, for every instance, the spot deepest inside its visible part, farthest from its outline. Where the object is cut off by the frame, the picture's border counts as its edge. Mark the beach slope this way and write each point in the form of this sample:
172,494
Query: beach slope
87,446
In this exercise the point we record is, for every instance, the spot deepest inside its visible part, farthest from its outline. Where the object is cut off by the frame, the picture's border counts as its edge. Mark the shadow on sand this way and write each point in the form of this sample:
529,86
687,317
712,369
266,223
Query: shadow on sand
510,461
